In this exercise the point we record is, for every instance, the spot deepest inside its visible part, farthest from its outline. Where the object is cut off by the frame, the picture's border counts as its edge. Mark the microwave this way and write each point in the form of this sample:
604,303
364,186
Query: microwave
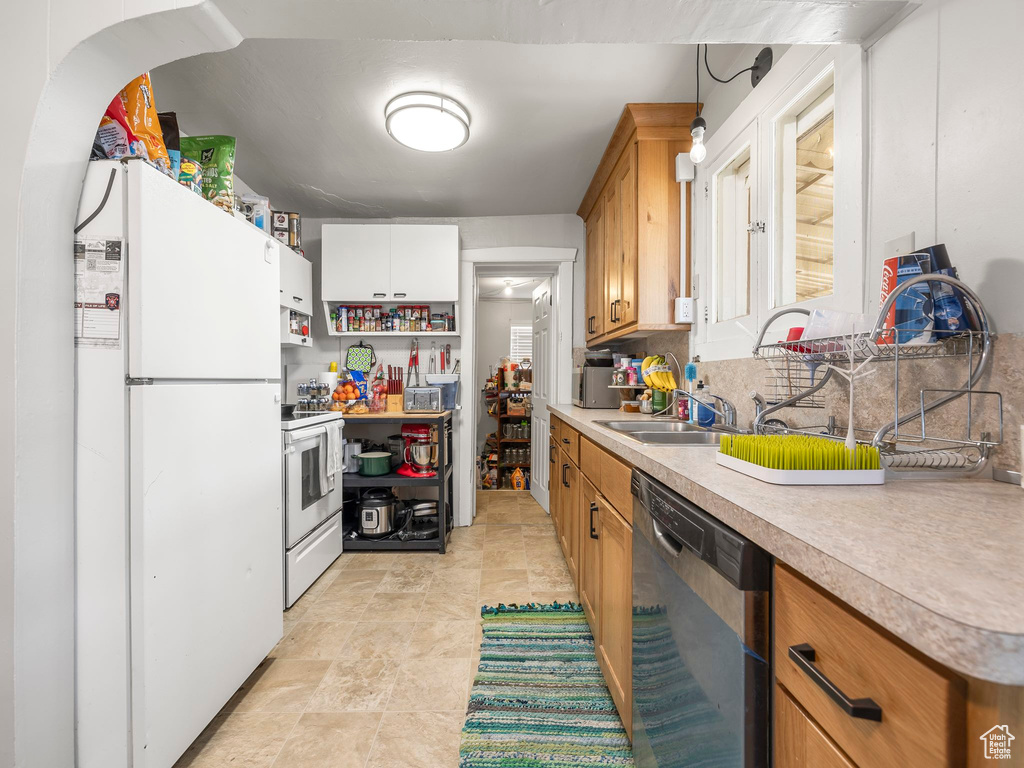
590,388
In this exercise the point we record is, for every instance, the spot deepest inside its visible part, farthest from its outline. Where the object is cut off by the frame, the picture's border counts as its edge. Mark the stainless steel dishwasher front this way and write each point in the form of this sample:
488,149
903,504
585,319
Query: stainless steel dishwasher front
701,671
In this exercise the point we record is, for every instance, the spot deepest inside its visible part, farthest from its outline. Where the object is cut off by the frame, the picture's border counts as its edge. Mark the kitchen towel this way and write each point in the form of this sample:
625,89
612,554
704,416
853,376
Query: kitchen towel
334,449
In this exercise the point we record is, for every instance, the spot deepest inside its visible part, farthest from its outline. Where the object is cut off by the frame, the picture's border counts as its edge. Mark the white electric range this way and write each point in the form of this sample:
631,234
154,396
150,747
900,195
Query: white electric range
312,498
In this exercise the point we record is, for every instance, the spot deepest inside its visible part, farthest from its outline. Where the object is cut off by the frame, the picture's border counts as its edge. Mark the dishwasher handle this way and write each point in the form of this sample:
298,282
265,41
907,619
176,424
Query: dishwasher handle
666,540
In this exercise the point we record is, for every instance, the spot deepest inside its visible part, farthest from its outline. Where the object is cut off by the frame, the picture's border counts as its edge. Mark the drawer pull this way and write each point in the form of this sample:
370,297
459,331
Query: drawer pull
864,709
565,440
551,453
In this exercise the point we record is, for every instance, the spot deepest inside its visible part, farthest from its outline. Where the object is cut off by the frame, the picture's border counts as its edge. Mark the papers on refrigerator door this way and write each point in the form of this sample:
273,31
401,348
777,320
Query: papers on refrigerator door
99,285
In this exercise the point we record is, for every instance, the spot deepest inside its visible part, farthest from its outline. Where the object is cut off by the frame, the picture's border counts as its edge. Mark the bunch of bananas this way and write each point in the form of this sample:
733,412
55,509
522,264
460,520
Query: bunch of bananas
663,380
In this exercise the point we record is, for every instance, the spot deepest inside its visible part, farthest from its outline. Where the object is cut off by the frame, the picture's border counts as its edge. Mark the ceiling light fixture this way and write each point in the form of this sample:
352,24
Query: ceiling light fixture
762,65
508,287
428,122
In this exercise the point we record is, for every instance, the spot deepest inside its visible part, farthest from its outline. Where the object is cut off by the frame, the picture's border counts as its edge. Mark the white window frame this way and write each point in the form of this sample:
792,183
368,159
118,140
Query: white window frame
527,332
799,71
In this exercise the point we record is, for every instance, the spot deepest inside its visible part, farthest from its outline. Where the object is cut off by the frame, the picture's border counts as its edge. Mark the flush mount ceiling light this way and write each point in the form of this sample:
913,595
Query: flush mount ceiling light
762,65
428,122
508,287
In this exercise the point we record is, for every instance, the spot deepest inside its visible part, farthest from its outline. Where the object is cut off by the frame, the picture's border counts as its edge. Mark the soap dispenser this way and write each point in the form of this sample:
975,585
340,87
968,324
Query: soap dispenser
705,416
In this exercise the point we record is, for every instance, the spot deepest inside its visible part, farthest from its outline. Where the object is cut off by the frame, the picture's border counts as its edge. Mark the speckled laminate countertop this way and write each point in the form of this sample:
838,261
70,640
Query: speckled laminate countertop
939,563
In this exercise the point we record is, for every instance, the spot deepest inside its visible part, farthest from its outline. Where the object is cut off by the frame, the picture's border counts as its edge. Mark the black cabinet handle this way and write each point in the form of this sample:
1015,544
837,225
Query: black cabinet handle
565,468
566,440
593,509
864,709
297,299
551,453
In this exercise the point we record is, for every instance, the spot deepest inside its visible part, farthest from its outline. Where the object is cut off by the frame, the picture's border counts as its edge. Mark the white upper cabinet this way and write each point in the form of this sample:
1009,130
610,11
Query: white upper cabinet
425,262
296,281
364,262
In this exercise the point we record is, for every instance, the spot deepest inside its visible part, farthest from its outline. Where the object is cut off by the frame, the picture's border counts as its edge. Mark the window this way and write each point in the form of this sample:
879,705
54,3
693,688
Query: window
521,343
778,205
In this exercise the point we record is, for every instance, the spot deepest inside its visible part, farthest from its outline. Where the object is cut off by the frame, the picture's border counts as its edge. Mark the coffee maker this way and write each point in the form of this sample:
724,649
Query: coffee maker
419,452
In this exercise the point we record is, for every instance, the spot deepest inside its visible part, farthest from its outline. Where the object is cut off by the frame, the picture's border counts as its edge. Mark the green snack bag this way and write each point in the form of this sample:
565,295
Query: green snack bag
216,155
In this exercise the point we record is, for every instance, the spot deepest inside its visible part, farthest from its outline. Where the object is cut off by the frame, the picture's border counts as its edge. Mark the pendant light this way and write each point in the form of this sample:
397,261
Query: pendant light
762,65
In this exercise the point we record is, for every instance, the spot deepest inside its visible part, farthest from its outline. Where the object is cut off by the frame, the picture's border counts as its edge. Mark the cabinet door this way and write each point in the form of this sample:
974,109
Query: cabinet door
625,180
799,742
596,308
615,648
356,262
590,558
569,533
554,480
612,252
425,262
296,281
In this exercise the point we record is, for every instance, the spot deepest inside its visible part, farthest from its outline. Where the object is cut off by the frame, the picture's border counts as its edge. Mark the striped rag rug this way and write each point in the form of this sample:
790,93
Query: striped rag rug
539,699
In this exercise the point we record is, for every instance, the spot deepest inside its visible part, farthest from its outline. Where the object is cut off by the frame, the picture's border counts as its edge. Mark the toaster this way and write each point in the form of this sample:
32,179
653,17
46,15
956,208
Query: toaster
422,400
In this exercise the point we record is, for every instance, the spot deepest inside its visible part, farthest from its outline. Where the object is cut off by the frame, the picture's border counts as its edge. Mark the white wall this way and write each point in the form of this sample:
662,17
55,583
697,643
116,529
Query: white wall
494,319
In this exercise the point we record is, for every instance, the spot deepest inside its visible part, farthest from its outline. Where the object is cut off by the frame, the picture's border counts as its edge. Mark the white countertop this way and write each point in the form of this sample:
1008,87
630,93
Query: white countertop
939,563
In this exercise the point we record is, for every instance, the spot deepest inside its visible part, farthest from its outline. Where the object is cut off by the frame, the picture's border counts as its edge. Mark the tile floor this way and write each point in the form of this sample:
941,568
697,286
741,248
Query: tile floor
378,657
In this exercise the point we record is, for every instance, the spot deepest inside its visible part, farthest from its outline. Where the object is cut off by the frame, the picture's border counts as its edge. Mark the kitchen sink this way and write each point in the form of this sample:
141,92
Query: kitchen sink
663,432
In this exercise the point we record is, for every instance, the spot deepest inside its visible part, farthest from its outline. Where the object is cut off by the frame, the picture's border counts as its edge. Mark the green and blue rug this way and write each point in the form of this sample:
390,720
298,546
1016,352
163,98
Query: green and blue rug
539,699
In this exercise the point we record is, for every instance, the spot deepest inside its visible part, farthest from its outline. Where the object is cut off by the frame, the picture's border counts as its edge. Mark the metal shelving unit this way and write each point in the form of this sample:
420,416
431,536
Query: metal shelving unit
443,481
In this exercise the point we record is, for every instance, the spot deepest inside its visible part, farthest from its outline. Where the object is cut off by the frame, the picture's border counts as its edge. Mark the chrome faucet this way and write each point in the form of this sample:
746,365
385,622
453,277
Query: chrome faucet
728,411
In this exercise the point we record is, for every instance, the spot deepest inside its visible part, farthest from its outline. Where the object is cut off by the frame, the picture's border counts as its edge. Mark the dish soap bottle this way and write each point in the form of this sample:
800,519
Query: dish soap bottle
705,417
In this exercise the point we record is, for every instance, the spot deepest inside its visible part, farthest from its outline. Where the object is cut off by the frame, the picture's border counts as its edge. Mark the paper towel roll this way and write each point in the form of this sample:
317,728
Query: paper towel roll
330,378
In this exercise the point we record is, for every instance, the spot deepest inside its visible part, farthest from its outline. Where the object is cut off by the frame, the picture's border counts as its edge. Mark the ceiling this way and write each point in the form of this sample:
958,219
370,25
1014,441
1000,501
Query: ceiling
308,116
494,287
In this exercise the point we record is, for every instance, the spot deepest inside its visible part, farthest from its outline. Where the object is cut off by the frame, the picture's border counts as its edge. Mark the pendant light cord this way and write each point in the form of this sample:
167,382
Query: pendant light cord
708,67
699,108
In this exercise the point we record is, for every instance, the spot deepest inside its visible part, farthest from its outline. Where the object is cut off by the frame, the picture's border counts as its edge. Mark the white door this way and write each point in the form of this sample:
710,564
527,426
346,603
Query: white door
543,387
355,262
206,554
203,287
425,262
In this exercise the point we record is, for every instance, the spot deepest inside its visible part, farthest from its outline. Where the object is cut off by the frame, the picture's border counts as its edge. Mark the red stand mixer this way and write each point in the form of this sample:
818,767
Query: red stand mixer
419,451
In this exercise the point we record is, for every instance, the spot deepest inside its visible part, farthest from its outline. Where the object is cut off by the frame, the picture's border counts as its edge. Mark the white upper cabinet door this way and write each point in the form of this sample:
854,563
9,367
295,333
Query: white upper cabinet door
203,287
296,281
425,262
356,262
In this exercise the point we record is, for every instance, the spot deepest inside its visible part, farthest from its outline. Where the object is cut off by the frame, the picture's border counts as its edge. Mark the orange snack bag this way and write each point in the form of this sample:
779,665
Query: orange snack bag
140,105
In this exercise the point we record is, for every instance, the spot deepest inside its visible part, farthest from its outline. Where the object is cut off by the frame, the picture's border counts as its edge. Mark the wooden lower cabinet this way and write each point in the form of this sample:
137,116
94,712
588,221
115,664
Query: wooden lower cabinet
615,611
569,517
799,742
590,555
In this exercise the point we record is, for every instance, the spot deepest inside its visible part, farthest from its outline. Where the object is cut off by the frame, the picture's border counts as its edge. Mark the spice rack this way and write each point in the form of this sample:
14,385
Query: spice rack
798,371
411,325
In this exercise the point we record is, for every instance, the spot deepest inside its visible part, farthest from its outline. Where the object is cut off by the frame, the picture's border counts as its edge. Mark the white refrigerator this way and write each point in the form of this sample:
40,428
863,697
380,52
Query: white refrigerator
178,463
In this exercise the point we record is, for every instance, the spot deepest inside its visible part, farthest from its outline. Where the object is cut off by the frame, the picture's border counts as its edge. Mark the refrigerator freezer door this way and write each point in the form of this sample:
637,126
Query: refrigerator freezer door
206,543
203,287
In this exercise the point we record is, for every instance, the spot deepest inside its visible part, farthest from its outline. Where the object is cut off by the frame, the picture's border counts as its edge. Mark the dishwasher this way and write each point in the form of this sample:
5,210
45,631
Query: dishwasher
701,671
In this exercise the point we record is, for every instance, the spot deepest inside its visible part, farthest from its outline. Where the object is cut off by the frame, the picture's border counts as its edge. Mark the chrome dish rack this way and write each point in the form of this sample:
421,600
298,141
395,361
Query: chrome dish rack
798,372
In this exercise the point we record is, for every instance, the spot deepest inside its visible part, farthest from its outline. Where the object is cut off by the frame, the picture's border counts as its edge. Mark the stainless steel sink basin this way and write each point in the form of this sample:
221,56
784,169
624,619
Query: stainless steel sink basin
662,432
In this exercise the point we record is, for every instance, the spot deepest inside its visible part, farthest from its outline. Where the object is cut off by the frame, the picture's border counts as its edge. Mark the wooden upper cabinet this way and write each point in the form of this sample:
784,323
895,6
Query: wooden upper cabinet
635,196
595,273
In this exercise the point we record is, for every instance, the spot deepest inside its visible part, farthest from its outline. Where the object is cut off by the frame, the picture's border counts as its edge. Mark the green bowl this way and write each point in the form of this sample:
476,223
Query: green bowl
373,464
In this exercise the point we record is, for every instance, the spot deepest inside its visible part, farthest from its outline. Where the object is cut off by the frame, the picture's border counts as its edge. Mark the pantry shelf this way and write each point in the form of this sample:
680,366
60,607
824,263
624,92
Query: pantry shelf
367,334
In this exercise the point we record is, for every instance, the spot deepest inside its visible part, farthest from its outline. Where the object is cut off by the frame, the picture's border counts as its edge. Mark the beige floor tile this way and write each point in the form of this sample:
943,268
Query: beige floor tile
320,585
566,596
502,504
338,606
330,740
314,640
503,517
407,580
434,685
378,640
300,606
442,639
456,581
496,581
503,532
503,544
289,623
278,685
417,740
544,554
241,740
550,578
466,540
441,605
360,685
353,580
366,561
395,606
505,558
460,559
418,561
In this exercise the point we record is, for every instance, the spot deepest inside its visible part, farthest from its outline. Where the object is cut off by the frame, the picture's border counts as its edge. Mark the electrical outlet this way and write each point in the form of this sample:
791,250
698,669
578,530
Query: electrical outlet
899,246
